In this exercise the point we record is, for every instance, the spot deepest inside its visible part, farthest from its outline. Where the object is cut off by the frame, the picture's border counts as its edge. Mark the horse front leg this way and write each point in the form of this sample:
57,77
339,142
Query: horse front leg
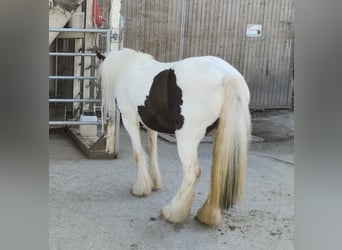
152,137
143,182
178,210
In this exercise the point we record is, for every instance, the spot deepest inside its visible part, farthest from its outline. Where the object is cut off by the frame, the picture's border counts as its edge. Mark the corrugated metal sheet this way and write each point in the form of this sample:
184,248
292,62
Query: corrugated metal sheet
153,26
175,29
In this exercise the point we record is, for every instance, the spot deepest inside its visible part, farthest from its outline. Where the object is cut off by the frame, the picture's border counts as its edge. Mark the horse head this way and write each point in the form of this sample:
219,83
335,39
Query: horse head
100,56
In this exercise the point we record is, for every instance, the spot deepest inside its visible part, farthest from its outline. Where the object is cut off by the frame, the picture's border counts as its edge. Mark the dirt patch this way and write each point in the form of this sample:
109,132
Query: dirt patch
257,222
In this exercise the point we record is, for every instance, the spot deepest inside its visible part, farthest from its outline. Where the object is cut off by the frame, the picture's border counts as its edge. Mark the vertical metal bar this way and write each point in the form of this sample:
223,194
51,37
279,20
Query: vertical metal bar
92,85
84,9
65,112
56,69
116,113
121,32
108,33
82,74
102,120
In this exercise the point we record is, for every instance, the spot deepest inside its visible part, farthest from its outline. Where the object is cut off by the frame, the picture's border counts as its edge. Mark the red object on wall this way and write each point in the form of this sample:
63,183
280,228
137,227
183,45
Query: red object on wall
98,19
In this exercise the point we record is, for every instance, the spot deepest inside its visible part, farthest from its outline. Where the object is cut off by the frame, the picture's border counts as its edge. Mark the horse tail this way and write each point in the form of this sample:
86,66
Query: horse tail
106,85
107,89
229,151
231,144
108,100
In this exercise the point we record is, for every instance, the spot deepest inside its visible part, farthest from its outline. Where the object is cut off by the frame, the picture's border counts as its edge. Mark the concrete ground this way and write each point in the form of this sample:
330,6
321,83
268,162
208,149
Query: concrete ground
91,206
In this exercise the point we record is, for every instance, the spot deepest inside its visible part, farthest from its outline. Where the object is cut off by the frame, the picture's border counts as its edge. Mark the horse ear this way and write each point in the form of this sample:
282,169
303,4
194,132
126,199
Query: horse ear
100,56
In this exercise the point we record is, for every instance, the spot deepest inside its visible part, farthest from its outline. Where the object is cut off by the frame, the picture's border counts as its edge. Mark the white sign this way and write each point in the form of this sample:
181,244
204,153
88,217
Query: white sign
253,30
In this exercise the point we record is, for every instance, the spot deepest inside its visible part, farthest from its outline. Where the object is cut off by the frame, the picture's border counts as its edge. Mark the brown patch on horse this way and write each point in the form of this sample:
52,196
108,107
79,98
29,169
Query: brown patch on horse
162,108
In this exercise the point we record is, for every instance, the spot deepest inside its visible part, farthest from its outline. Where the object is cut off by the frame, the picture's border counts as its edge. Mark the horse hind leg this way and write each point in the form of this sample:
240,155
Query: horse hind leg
143,182
178,210
152,137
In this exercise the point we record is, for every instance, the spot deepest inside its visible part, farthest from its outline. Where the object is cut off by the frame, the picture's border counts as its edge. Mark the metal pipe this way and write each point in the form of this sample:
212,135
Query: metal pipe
78,30
74,77
56,71
70,54
75,100
74,123
102,122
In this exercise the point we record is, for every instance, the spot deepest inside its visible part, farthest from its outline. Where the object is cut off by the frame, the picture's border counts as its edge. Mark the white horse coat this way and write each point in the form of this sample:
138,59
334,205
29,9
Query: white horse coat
184,98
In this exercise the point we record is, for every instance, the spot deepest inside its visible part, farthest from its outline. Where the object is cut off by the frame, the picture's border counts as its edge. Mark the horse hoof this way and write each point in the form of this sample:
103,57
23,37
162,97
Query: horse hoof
169,216
209,216
164,218
139,194
156,187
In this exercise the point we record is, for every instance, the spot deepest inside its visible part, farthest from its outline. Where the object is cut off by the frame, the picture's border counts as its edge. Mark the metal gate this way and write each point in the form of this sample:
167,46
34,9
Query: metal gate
93,99
78,103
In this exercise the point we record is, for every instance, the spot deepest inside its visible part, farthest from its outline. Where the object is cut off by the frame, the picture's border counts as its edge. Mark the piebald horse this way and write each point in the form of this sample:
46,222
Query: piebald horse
187,98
